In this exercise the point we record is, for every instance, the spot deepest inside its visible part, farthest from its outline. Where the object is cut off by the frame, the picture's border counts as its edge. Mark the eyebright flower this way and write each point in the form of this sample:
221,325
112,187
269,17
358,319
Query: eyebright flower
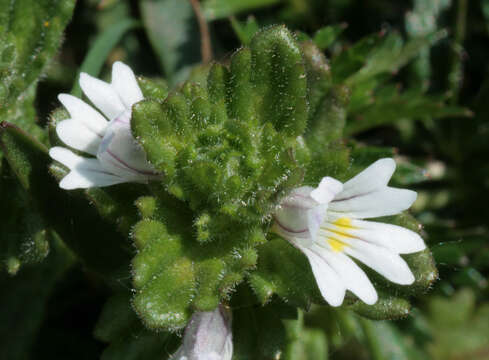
326,224
207,337
119,158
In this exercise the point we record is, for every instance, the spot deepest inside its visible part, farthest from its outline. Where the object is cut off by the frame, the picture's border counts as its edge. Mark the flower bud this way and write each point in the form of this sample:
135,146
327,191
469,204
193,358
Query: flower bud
207,337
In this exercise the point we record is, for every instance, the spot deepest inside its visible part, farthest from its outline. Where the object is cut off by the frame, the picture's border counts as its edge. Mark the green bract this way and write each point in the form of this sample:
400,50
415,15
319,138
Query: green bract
227,152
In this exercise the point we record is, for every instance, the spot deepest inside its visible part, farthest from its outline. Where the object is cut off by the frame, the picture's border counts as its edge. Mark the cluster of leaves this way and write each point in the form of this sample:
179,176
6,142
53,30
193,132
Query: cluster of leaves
227,154
231,139
229,148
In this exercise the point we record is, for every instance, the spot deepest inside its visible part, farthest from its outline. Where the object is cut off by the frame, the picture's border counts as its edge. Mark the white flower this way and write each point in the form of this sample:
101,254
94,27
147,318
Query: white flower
119,158
207,337
325,224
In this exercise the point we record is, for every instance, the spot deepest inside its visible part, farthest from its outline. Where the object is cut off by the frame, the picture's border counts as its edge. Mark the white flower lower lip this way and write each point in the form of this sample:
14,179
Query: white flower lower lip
119,158
328,229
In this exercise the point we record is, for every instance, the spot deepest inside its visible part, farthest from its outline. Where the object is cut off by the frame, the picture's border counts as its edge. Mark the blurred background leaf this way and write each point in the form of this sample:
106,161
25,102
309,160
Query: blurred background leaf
174,34
101,48
217,9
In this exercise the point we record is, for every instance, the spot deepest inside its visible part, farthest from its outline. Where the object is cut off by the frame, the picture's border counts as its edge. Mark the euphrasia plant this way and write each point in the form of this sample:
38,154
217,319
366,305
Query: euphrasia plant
245,190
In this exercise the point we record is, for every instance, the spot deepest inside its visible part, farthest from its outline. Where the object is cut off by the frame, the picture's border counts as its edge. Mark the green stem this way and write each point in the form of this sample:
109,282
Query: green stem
205,38
455,75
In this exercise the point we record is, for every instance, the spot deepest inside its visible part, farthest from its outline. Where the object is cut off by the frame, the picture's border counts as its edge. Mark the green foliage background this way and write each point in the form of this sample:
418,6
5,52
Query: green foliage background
358,80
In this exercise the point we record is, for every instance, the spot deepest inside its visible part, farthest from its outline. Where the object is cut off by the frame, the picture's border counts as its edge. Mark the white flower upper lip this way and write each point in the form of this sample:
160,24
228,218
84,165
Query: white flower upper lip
326,224
119,157
367,194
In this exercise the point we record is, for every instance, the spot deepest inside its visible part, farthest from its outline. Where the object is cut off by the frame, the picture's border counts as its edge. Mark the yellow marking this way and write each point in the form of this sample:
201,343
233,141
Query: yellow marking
344,222
342,225
336,244
46,23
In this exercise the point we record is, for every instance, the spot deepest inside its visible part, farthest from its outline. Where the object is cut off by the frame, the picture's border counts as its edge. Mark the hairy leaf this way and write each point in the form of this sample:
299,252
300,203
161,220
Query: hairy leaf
174,275
30,34
24,237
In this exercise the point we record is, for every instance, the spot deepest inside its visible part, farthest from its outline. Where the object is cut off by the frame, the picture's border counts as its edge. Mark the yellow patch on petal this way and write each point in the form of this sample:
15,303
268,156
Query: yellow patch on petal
343,222
336,245
342,225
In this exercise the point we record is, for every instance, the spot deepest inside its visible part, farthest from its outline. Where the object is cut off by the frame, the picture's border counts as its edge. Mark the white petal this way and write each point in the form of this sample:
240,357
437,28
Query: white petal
315,217
227,353
385,262
384,202
84,172
394,238
81,111
328,281
326,190
353,278
102,95
88,178
372,178
76,135
65,157
125,84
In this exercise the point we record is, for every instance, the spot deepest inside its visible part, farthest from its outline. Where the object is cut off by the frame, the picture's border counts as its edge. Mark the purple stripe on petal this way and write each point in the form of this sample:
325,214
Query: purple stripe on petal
288,229
127,166
353,196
